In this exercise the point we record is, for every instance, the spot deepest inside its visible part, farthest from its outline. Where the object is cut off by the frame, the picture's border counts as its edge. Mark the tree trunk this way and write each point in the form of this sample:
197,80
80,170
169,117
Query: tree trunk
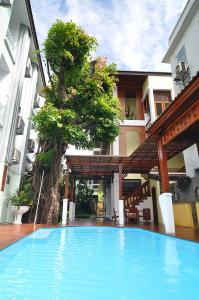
48,211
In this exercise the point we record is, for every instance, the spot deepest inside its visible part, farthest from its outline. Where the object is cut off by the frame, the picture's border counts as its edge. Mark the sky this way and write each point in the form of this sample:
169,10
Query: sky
131,33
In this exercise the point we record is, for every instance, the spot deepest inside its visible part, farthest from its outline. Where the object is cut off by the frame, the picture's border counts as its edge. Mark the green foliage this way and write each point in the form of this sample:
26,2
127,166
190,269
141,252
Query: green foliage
80,108
84,198
23,197
183,183
46,158
69,45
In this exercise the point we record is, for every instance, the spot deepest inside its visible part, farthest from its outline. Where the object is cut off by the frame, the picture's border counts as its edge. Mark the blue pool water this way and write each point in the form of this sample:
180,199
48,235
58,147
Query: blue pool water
99,263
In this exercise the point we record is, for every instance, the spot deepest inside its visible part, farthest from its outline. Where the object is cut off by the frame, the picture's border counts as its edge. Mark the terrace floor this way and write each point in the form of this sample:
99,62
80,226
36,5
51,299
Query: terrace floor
10,233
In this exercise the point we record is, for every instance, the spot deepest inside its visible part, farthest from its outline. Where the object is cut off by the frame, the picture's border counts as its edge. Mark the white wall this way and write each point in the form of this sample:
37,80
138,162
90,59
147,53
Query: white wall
190,40
186,34
191,159
164,83
5,13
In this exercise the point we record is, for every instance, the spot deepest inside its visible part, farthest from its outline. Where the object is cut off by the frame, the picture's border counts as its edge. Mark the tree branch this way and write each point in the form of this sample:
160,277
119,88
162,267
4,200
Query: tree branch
49,75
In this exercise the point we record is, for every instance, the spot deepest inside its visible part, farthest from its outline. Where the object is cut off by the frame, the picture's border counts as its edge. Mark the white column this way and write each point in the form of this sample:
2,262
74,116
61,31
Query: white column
121,212
112,198
116,146
108,203
64,211
166,207
152,105
70,210
116,191
74,204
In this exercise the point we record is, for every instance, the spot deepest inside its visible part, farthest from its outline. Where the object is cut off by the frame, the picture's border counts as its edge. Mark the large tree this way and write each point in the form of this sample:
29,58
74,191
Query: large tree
79,110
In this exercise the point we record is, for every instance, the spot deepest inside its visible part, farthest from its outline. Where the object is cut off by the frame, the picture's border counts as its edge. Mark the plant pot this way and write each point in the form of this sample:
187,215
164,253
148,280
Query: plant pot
19,213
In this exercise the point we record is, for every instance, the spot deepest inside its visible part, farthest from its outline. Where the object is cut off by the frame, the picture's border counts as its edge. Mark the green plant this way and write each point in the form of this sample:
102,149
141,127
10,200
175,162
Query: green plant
23,197
183,182
20,198
84,198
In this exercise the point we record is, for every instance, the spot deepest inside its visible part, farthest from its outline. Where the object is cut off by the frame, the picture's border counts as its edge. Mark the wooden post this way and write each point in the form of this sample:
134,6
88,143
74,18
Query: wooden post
120,182
163,168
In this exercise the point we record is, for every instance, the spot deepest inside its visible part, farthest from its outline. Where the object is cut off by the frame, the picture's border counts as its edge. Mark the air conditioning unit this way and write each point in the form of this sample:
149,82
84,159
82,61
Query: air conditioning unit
28,72
31,146
6,3
20,126
181,68
36,101
16,155
30,158
28,167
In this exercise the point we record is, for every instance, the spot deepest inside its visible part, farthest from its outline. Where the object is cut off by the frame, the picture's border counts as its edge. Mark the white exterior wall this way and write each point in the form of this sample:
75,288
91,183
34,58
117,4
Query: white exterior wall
191,159
5,13
163,83
16,92
190,41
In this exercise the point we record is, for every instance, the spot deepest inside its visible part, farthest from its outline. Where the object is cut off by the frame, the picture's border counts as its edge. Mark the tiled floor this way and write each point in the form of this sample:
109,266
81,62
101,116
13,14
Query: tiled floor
11,233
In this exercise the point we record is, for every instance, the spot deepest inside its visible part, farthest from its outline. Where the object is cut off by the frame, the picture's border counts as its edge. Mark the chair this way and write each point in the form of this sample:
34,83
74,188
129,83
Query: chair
115,215
132,214
146,214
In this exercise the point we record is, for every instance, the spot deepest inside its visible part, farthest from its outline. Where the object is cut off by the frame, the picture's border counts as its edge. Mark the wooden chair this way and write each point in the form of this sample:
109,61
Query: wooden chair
115,215
146,214
132,215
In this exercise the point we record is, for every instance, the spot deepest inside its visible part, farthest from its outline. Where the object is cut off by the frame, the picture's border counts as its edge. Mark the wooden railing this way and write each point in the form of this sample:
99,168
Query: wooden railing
137,196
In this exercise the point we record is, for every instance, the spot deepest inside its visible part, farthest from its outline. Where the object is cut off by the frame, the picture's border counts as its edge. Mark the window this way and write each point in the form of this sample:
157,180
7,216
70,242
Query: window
162,101
130,106
181,56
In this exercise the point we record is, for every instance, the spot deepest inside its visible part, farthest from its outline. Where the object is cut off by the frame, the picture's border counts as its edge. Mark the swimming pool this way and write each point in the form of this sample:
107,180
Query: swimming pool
99,263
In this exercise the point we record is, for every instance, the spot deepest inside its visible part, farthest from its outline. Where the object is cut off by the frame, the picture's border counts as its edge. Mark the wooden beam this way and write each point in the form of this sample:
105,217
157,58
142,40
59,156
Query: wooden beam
95,173
163,168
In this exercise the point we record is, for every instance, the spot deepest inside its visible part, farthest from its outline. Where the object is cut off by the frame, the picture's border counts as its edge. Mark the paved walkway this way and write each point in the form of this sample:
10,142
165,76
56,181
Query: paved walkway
11,233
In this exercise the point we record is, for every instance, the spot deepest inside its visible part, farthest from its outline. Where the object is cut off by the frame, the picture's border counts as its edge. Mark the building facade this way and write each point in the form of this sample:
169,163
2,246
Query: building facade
182,55
21,81
143,96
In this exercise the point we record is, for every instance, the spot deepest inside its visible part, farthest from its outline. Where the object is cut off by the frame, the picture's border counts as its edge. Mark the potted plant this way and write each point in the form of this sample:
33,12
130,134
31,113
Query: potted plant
21,201
183,183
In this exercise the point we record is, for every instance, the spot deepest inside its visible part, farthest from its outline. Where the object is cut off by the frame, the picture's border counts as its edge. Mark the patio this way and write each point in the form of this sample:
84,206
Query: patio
11,233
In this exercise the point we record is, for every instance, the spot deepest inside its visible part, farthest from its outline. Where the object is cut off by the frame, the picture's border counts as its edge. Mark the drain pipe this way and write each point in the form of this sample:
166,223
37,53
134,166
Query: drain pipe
38,198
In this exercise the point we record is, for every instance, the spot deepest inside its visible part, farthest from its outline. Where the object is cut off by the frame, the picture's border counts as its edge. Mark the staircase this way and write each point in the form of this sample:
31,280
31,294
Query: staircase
137,196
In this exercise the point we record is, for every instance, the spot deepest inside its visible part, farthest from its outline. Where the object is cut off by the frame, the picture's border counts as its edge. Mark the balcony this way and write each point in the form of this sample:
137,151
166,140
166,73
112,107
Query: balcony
9,41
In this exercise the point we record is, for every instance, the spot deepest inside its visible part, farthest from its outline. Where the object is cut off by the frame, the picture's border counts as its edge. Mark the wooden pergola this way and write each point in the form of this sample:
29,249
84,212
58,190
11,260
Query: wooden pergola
174,131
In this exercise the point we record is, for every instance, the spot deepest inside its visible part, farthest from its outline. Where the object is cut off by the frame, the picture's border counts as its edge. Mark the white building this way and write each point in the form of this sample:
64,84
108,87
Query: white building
21,80
183,56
